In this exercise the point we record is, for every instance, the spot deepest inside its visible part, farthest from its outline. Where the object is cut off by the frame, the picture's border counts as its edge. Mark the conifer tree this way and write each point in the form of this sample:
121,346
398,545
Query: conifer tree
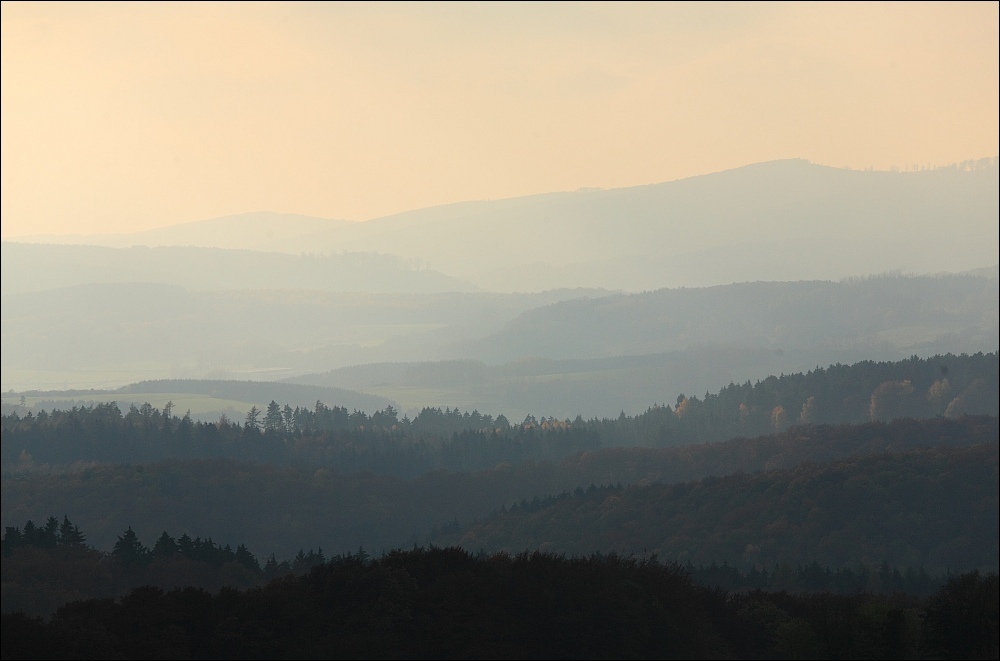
165,546
70,535
129,551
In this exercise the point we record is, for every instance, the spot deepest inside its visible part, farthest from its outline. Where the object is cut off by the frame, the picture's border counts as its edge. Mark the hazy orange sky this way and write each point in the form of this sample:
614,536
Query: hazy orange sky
120,117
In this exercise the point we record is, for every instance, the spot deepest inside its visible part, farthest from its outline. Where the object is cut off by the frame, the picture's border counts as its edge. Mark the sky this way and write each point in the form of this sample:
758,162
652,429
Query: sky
122,117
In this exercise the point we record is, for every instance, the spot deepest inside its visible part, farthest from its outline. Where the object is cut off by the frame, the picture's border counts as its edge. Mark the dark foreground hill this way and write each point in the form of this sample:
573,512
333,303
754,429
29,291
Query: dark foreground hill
48,565
934,507
447,604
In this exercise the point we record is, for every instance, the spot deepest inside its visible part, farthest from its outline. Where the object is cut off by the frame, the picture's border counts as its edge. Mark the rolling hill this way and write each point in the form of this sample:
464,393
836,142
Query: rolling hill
935,508
779,220
625,352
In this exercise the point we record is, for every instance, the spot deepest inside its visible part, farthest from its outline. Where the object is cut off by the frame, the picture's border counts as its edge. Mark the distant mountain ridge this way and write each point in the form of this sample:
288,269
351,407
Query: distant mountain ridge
780,220
911,313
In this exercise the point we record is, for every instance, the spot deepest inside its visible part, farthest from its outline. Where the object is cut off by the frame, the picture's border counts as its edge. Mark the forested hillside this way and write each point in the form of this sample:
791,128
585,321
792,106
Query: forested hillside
46,566
280,509
935,508
352,440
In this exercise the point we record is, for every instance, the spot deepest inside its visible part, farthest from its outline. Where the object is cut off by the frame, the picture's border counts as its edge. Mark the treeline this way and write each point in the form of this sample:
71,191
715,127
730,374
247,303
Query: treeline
324,436
934,507
46,566
949,386
447,603
280,509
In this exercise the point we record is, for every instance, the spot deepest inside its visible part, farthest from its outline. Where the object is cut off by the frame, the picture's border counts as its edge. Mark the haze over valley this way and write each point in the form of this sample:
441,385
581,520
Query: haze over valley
639,265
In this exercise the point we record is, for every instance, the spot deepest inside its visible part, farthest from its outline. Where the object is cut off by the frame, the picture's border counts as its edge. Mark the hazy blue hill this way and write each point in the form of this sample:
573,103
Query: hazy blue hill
780,220
105,335
909,314
772,221
37,267
550,345
602,355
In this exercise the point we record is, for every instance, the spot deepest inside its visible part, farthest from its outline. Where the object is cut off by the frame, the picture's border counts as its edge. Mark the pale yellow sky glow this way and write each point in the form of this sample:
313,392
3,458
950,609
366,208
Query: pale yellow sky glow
121,117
